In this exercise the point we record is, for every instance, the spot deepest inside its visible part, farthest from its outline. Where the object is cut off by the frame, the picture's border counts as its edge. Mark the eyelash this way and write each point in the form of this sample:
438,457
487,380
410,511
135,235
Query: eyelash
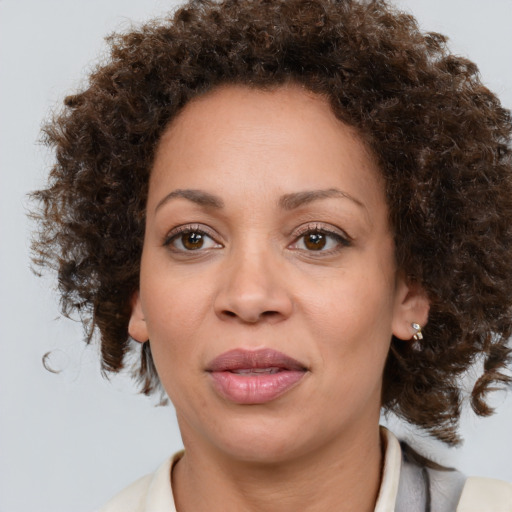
187,229
342,240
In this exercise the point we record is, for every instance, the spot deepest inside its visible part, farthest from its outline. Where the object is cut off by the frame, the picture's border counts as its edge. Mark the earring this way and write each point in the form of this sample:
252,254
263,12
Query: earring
418,335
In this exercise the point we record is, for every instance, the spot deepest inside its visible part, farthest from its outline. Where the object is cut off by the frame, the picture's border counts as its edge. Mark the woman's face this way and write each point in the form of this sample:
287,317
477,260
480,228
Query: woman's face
268,286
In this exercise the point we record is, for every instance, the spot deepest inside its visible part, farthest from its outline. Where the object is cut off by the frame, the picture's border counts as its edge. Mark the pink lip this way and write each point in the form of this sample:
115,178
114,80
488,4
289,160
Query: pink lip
254,377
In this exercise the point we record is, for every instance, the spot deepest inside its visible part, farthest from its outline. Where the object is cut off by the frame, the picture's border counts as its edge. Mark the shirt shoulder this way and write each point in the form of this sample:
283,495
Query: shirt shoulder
424,483
485,495
130,499
151,493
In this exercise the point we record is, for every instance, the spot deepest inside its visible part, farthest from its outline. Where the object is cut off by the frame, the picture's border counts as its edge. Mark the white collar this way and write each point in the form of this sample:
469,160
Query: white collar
390,473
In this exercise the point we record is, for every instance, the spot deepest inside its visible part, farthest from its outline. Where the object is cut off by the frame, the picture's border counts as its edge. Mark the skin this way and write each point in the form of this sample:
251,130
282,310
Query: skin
255,283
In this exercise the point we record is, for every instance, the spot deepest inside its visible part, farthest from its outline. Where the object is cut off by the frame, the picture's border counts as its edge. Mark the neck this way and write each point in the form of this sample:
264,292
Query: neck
344,476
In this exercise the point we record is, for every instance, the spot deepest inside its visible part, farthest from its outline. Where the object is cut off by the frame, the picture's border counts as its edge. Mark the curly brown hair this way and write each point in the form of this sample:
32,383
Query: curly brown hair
441,138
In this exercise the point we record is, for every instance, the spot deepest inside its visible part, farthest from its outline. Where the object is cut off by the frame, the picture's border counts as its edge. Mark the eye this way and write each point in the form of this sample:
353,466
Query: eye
187,238
318,239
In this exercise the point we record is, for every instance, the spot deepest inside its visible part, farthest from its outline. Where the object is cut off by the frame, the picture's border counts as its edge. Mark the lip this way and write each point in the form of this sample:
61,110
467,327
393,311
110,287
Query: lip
254,376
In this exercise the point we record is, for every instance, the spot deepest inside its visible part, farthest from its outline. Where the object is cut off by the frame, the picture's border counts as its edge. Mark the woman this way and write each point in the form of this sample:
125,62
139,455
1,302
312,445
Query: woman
301,211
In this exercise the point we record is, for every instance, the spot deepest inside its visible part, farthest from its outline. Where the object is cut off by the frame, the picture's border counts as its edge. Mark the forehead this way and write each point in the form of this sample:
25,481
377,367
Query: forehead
287,140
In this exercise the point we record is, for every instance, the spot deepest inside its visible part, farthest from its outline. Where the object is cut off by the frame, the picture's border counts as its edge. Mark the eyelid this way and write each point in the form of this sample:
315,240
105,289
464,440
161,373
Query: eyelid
323,228
342,239
185,228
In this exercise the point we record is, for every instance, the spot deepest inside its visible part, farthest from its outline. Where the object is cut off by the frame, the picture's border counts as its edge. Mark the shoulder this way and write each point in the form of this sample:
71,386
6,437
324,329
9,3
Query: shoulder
152,492
425,485
130,499
485,495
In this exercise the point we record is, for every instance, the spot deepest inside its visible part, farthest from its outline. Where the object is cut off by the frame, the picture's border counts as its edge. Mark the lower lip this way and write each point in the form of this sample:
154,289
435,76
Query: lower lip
255,389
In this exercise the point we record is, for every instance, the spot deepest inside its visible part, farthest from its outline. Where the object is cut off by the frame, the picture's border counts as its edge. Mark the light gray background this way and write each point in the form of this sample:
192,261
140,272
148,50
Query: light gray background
69,441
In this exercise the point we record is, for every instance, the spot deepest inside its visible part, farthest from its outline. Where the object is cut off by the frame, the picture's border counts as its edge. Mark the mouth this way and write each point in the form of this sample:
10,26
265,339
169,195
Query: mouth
254,377
257,371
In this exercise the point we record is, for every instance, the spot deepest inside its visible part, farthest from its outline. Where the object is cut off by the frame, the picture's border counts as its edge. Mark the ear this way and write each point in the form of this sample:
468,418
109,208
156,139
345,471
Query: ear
411,306
137,327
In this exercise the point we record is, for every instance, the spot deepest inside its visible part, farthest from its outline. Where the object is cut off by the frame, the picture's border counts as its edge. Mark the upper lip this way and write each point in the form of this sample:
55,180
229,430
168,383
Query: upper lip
239,359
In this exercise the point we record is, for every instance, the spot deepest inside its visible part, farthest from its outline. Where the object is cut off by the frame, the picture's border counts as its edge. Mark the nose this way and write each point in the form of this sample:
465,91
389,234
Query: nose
253,290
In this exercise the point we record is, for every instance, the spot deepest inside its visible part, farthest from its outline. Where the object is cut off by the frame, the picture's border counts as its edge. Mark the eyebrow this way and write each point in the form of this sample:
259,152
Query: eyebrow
204,199
286,202
297,199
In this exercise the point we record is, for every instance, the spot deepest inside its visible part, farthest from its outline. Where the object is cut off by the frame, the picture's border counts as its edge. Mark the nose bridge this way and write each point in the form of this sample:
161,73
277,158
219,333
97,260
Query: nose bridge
251,288
251,269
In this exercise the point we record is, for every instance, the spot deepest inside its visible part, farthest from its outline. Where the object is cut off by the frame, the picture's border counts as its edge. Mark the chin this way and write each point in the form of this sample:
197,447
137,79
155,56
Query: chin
263,440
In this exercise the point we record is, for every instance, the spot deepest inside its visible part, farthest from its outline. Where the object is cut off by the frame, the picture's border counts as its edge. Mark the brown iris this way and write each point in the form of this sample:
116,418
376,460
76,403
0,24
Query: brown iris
192,240
315,241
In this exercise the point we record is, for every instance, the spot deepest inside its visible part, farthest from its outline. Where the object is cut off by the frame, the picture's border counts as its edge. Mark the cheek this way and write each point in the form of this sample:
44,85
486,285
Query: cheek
351,320
173,300
353,334
351,304
175,309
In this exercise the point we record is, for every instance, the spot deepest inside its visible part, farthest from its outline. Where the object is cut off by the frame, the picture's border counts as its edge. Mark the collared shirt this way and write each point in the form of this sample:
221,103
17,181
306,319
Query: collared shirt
405,487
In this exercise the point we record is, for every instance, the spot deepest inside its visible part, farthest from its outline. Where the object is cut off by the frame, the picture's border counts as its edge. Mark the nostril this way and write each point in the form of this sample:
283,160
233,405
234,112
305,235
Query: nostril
251,304
270,313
